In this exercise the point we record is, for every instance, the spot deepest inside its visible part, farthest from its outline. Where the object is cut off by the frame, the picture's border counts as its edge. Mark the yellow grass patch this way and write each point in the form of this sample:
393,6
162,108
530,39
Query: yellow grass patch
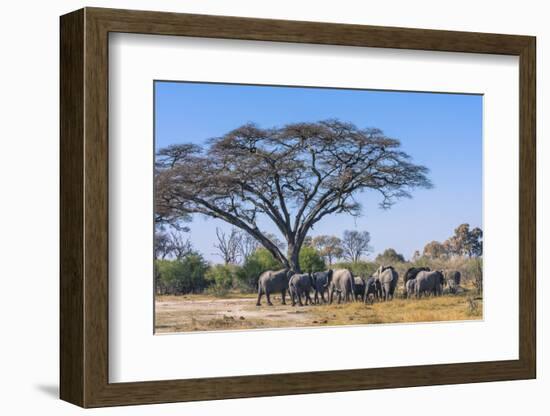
238,311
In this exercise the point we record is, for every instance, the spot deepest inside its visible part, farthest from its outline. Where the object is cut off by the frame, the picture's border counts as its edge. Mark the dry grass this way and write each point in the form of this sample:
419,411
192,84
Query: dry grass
238,312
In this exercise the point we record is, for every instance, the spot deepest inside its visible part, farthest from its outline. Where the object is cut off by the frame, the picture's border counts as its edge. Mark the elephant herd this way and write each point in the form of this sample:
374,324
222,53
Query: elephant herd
417,281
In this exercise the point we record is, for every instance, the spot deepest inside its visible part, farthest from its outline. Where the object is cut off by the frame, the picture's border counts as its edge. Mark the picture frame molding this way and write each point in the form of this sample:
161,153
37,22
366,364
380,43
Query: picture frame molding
84,217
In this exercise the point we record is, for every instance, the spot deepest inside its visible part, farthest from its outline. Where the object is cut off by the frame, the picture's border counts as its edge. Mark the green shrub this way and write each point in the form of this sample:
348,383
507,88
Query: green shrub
218,290
257,263
361,268
222,275
310,260
177,277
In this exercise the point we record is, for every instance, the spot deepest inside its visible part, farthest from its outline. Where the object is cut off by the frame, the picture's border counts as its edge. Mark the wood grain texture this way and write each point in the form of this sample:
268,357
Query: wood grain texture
528,208
71,208
84,207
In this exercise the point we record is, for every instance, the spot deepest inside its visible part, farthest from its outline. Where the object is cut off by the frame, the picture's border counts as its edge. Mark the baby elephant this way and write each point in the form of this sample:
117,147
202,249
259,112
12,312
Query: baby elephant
359,288
373,289
298,285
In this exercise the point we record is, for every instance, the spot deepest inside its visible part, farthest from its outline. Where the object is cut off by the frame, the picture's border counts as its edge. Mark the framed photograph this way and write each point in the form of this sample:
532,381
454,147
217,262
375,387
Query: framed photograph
254,207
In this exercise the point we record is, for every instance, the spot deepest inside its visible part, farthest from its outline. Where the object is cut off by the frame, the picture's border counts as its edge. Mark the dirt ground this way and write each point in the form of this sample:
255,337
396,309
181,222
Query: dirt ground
237,311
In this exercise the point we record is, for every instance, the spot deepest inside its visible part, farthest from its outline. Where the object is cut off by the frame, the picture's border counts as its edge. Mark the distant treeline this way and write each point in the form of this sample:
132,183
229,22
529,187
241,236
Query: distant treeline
193,274
179,269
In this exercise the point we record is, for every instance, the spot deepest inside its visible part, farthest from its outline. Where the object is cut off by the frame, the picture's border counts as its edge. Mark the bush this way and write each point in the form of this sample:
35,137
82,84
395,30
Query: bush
311,261
222,276
217,290
361,268
471,269
177,277
255,264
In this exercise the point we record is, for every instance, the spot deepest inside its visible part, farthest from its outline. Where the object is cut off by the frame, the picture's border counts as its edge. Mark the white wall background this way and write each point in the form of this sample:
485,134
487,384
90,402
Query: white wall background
29,211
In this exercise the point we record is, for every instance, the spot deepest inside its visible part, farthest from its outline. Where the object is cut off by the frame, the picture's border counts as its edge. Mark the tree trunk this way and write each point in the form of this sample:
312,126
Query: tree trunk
294,257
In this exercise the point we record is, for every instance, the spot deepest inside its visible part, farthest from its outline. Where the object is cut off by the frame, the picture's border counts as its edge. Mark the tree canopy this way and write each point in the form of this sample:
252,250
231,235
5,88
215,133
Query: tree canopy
293,175
329,246
390,256
464,242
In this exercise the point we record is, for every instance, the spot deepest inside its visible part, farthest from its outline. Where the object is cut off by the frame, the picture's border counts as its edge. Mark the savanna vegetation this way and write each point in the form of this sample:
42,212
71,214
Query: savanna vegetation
293,177
190,273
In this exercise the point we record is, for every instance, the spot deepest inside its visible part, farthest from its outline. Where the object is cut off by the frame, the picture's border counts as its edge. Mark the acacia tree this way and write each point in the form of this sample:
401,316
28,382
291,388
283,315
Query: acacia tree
294,176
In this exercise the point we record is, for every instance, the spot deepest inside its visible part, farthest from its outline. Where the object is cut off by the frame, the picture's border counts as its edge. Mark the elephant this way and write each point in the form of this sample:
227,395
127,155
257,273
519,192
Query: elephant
321,282
373,289
342,282
271,282
388,279
453,280
298,285
411,284
453,287
359,288
411,274
429,282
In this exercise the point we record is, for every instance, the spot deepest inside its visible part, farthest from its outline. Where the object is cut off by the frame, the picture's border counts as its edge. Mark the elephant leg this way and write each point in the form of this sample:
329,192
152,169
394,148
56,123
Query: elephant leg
292,298
299,295
323,296
268,298
316,297
308,298
258,303
283,295
330,296
339,297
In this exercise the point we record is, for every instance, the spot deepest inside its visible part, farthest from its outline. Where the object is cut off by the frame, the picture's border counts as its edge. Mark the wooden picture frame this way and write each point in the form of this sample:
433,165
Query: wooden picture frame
84,207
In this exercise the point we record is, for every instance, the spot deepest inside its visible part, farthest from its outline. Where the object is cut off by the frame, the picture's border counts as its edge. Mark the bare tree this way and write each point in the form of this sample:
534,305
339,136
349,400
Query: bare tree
180,247
171,245
163,245
355,244
247,246
228,245
293,176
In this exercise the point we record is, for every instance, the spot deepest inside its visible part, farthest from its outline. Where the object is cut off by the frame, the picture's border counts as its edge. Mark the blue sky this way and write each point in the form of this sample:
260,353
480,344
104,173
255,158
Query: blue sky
440,131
